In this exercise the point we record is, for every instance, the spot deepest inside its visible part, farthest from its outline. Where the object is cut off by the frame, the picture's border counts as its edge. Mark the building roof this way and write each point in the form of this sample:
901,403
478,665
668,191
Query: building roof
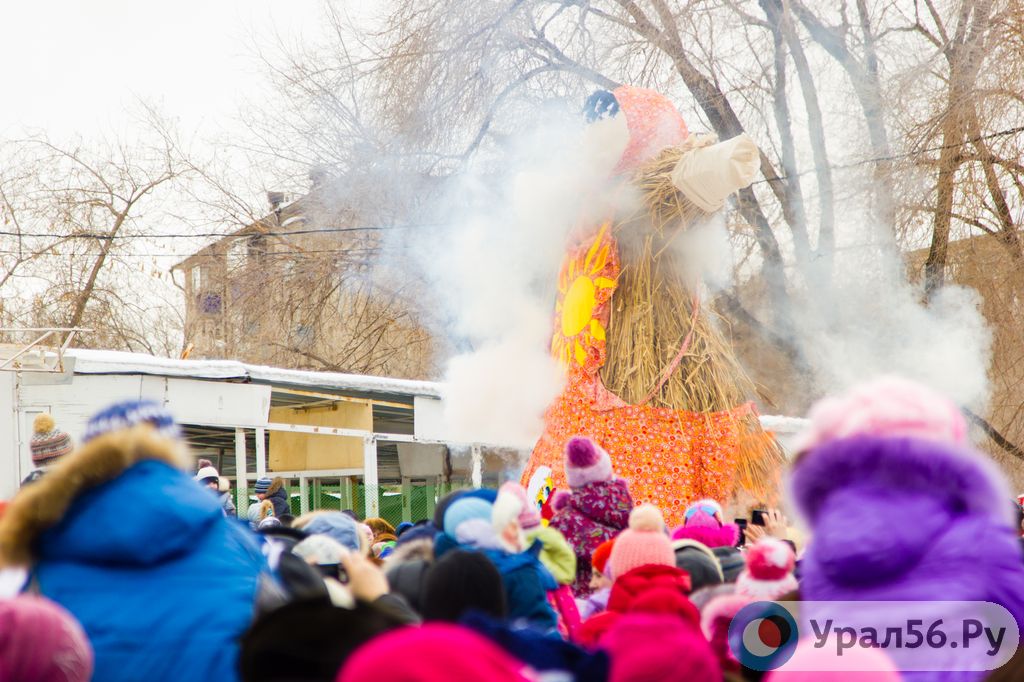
119,362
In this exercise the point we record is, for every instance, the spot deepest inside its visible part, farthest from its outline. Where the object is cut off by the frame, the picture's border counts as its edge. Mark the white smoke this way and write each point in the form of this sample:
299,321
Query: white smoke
863,325
495,263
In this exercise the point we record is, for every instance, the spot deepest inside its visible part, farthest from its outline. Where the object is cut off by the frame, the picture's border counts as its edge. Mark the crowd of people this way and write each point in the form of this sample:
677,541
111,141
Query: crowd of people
123,559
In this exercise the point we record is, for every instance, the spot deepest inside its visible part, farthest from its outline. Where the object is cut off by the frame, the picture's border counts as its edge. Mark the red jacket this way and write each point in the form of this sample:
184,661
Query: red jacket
648,589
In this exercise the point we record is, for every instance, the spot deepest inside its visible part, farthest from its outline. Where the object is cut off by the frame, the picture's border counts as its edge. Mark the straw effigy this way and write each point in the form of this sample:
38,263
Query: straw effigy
665,346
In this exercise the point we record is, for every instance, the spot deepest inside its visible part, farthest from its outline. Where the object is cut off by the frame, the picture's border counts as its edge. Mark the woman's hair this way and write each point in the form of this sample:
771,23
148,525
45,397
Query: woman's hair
379,527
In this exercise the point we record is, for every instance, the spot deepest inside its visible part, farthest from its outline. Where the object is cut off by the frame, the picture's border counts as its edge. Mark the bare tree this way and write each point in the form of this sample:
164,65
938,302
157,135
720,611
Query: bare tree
929,150
81,252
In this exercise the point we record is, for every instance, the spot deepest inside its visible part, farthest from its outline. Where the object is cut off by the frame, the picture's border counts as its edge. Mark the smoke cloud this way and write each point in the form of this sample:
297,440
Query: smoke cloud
494,260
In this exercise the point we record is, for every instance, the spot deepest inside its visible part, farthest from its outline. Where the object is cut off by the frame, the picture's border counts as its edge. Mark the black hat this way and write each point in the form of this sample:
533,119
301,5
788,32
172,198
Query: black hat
307,640
461,582
408,579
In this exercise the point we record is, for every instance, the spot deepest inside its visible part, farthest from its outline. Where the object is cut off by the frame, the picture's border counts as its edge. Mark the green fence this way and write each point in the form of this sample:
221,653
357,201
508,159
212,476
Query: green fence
396,503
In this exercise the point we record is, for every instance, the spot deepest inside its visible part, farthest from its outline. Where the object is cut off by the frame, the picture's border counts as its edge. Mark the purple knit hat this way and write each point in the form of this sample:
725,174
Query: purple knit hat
586,462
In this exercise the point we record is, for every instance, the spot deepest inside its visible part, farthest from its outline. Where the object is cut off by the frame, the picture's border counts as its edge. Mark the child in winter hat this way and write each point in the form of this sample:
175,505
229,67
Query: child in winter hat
880,454
704,522
600,582
644,543
258,512
596,509
769,571
715,619
556,554
48,445
460,582
42,642
262,486
586,462
468,522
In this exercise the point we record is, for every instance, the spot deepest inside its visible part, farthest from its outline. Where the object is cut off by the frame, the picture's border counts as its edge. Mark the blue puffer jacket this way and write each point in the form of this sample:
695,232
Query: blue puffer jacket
162,582
526,584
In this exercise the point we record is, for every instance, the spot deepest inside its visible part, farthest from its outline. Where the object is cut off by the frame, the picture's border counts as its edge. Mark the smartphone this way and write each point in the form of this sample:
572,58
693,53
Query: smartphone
757,516
335,571
742,523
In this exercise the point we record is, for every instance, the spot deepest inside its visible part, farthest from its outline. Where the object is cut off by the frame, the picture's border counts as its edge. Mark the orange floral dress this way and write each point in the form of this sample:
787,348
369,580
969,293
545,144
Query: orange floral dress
668,457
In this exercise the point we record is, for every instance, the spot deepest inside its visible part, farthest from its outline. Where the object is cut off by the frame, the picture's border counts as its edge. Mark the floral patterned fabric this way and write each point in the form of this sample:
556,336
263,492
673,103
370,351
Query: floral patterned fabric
668,457
594,513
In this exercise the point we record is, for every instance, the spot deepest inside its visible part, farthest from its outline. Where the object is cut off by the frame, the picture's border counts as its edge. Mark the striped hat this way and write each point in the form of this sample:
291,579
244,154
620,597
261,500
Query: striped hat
48,442
129,413
262,485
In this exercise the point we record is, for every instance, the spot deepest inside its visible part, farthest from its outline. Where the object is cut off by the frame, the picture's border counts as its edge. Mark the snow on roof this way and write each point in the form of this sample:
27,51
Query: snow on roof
119,362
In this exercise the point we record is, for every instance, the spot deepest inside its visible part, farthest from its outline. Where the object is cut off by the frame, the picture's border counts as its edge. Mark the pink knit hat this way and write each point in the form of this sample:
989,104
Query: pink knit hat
812,664
42,642
715,619
645,542
649,646
887,406
529,517
586,462
435,651
703,521
769,571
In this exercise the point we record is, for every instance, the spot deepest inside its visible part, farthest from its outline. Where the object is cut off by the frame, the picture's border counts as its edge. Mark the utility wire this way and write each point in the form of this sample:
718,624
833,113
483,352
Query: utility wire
894,157
381,228
193,235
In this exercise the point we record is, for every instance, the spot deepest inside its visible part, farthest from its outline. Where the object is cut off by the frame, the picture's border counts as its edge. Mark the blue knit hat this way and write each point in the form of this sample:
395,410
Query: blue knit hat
129,413
468,521
337,526
262,485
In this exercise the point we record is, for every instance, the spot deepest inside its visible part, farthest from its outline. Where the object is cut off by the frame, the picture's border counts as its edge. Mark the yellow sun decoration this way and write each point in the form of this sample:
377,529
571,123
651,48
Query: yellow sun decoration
579,285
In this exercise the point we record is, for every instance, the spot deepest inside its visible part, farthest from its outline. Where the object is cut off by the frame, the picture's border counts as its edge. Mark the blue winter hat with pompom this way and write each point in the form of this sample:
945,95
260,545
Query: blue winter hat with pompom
125,415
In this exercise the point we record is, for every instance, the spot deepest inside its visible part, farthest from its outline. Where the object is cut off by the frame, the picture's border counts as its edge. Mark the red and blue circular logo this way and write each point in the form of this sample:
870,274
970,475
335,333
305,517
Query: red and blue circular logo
763,635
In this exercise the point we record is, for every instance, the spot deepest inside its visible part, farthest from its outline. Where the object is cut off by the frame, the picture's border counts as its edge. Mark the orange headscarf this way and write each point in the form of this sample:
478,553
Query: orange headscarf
654,124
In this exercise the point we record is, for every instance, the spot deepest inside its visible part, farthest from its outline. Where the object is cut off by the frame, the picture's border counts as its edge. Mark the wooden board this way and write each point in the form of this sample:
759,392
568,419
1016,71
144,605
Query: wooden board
301,451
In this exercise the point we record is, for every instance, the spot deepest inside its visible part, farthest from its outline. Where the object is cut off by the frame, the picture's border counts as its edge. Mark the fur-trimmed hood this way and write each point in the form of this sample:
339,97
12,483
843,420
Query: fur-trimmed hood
903,519
726,535
42,508
959,479
410,551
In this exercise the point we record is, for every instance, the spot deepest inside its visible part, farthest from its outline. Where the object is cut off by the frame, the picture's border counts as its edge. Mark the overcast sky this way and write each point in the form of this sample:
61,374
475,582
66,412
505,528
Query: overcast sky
75,67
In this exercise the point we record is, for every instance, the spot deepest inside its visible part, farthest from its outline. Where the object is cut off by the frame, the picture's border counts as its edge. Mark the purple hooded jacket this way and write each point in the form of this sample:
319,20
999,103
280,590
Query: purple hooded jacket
592,513
904,519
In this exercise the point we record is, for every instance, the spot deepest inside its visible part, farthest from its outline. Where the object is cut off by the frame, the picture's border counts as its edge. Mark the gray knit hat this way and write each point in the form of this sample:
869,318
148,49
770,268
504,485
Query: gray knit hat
48,442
